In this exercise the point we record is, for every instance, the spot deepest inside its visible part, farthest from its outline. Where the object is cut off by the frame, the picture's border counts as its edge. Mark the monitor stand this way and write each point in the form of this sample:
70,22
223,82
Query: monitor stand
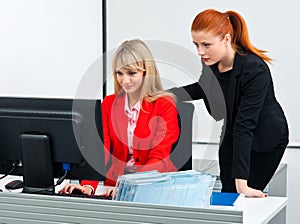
37,164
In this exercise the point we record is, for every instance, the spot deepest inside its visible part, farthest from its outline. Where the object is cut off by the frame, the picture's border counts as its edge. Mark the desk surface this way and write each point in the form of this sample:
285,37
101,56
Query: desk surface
250,210
259,210
262,210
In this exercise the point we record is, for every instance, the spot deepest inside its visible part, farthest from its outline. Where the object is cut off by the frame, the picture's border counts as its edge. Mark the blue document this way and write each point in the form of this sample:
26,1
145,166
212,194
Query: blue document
224,198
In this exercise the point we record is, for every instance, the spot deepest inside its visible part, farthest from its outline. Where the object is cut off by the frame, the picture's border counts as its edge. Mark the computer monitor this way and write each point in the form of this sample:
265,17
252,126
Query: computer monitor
40,138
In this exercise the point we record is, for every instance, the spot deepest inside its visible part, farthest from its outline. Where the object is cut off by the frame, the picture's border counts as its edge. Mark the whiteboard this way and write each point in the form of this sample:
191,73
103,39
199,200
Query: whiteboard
272,26
47,46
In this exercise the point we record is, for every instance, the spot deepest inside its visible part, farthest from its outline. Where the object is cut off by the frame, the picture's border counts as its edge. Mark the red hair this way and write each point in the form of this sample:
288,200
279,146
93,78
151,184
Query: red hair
232,23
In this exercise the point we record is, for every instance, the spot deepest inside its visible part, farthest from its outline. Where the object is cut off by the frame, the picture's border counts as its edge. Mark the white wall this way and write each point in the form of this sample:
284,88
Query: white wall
46,46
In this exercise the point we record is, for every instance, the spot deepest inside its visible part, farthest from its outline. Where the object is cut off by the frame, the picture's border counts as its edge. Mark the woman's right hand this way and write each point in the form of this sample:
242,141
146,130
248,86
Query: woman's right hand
242,187
69,188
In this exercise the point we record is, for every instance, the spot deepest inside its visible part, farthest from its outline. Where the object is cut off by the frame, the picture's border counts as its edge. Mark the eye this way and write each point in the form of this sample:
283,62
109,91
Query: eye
206,44
132,73
196,45
119,73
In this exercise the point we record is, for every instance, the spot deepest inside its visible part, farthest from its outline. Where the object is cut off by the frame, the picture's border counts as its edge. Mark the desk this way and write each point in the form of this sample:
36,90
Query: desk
30,208
277,186
27,209
263,210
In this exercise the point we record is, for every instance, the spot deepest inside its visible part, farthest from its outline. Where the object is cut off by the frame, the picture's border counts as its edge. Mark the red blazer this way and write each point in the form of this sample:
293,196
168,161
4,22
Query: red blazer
156,130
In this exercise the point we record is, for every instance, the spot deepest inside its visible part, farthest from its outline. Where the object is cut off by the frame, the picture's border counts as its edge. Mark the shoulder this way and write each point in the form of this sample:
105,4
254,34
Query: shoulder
160,105
165,101
254,72
251,67
108,100
252,62
166,106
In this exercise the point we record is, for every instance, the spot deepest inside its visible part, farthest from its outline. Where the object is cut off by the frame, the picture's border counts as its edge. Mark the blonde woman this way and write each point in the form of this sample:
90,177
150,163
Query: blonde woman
139,120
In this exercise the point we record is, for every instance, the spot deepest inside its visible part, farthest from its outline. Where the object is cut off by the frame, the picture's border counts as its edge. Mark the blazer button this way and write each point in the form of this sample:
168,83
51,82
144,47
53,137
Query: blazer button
137,159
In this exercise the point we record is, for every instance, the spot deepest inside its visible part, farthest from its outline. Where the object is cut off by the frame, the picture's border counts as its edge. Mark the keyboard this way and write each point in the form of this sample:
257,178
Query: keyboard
103,197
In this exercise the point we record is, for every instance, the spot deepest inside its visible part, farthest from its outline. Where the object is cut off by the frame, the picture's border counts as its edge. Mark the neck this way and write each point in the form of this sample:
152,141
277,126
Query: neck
227,62
132,99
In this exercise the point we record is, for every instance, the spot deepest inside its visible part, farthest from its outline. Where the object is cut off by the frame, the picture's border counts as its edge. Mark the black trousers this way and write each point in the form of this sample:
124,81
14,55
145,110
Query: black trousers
262,168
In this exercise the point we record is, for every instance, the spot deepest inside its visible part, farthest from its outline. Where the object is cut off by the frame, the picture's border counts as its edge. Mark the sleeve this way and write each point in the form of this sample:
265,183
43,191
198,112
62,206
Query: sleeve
254,83
188,92
106,116
193,91
167,126
208,89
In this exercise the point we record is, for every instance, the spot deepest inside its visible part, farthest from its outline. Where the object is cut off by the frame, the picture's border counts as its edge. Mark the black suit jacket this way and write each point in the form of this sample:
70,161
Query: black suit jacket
257,120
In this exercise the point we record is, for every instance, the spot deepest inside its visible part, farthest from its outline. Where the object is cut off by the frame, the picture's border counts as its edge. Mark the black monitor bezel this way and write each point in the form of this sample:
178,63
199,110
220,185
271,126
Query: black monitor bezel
85,117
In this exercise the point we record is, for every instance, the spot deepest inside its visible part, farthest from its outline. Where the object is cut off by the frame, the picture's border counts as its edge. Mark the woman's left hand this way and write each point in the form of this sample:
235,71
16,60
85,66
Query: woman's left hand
110,192
242,187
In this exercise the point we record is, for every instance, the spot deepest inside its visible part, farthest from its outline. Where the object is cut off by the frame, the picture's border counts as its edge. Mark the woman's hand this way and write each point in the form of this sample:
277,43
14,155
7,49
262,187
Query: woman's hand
242,187
69,188
110,192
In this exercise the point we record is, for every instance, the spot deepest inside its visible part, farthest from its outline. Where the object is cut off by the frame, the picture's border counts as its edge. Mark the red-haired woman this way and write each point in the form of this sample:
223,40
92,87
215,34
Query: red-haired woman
236,85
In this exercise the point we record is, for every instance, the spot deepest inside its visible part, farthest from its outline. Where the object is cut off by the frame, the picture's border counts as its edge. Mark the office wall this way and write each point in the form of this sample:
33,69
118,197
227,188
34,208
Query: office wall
272,26
46,46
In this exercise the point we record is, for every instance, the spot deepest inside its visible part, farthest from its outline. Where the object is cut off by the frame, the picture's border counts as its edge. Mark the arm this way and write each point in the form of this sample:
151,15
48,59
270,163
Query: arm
193,91
255,82
166,133
188,92
208,89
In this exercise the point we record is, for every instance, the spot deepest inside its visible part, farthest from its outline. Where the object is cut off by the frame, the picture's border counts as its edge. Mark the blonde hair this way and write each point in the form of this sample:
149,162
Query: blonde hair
135,55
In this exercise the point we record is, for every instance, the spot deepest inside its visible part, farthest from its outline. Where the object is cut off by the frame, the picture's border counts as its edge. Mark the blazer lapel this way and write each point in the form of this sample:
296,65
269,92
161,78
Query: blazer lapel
141,126
119,119
236,72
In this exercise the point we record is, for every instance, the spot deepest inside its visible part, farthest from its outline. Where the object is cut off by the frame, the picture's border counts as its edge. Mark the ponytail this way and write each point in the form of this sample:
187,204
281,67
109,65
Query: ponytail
241,36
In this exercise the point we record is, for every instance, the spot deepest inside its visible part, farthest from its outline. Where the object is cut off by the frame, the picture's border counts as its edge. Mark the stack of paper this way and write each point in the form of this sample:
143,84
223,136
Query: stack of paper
183,188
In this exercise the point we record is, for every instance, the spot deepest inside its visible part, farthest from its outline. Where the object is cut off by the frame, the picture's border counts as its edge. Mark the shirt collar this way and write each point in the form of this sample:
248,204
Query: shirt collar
136,107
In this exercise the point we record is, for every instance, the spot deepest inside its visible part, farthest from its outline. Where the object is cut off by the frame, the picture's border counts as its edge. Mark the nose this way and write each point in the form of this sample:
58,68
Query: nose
126,79
200,51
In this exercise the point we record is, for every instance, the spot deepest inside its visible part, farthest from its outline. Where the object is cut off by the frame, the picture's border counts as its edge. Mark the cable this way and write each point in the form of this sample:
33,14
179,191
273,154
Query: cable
66,168
9,172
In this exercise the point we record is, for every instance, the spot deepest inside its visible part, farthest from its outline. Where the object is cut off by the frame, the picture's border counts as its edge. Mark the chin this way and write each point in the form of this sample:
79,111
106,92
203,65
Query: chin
129,91
210,63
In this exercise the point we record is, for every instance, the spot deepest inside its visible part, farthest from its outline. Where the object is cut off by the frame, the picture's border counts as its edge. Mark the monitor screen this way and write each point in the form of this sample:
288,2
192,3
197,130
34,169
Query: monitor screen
46,138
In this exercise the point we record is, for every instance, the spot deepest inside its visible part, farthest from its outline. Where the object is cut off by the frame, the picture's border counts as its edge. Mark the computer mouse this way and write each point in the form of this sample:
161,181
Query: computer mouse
14,184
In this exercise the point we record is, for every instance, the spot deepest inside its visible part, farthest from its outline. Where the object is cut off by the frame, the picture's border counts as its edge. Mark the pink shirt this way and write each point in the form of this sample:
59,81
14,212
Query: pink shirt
133,115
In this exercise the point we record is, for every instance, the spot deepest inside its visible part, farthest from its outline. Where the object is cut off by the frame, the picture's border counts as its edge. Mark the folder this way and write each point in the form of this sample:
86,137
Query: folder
183,188
225,198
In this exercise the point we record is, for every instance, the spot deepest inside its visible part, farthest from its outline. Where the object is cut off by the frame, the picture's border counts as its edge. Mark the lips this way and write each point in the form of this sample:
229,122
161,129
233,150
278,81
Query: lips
128,86
205,59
